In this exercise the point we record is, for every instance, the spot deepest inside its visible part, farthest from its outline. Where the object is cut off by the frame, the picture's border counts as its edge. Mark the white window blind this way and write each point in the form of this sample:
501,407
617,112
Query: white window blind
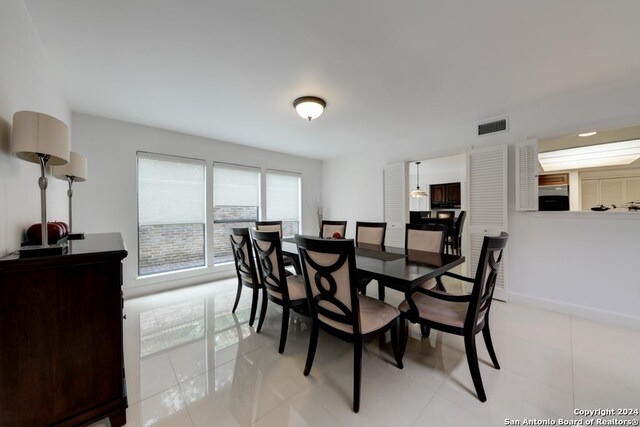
171,213
170,190
283,200
235,185
236,204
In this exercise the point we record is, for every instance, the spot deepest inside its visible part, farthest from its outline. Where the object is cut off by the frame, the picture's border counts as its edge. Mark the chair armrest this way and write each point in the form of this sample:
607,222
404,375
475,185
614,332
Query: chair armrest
459,277
444,296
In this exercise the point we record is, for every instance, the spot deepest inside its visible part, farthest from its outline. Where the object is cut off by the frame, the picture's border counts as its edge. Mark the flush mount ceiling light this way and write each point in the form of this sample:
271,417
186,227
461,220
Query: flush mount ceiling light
309,107
591,156
587,134
418,192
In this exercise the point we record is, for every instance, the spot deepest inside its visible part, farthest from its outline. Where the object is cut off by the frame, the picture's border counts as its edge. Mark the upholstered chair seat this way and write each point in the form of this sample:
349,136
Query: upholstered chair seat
440,311
374,315
295,284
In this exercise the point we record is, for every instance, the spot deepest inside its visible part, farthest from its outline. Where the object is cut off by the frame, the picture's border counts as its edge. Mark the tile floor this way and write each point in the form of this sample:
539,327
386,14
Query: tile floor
190,362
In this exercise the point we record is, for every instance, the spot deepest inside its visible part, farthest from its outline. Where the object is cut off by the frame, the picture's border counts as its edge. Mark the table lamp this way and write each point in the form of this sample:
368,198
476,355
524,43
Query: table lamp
42,139
74,171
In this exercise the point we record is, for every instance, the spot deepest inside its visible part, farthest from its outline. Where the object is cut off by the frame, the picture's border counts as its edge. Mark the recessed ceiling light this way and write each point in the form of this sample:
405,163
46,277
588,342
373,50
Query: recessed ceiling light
587,134
591,156
309,107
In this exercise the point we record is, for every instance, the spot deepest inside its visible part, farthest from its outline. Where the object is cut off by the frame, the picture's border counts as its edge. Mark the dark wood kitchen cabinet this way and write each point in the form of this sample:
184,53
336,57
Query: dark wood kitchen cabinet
61,355
445,195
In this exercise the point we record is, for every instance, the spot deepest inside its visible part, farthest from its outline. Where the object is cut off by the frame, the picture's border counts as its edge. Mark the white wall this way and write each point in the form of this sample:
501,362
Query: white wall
107,201
25,84
581,264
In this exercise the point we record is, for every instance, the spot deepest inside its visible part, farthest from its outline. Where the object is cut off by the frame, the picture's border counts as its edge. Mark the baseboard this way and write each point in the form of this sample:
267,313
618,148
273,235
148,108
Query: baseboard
130,292
590,313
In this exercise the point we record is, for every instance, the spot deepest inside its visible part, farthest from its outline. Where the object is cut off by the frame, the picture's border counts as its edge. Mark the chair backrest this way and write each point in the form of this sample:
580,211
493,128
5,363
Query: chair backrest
425,237
371,233
270,226
445,214
268,247
486,275
329,227
243,256
329,269
459,224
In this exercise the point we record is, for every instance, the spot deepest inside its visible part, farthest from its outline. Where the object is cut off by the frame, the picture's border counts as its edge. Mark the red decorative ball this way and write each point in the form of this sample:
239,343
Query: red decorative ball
336,235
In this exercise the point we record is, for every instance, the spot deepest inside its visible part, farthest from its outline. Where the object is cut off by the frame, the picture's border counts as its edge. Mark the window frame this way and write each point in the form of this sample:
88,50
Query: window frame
146,155
284,173
260,210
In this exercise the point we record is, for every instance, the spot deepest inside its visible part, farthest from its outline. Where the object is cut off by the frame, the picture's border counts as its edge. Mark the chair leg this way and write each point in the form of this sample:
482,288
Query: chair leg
487,340
313,344
380,291
404,334
425,330
357,372
238,292
254,305
472,360
395,344
263,309
285,328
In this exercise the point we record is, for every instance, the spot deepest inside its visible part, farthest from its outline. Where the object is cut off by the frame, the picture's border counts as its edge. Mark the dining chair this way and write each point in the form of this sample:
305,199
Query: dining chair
464,315
286,291
454,237
274,226
327,228
429,238
270,226
445,214
245,269
370,233
331,283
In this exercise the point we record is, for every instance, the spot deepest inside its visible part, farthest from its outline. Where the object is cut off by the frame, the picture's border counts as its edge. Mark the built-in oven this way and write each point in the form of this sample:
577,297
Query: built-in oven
553,198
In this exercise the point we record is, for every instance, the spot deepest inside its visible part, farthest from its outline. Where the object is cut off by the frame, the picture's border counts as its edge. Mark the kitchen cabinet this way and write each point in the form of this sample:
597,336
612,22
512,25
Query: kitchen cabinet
445,195
553,179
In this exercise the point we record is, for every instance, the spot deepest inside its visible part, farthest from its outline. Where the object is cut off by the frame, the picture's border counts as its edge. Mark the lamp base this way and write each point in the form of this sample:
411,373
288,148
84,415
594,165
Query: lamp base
32,251
75,236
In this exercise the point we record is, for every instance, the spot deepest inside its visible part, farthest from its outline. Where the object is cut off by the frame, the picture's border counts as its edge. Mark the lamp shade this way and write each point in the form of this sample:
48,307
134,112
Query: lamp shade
77,168
309,107
37,133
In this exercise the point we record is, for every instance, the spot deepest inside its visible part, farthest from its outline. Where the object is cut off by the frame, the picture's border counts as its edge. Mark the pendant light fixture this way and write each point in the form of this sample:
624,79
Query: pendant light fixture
418,192
309,107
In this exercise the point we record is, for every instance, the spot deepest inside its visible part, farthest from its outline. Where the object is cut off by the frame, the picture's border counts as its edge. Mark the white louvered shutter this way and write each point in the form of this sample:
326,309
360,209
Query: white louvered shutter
487,175
395,200
527,175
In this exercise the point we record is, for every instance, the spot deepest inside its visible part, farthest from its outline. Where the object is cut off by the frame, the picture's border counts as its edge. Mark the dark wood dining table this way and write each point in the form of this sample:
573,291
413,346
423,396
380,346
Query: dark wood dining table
397,268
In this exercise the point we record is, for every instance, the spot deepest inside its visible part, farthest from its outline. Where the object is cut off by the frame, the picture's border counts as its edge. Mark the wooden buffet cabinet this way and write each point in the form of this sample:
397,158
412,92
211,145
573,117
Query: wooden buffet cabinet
61,355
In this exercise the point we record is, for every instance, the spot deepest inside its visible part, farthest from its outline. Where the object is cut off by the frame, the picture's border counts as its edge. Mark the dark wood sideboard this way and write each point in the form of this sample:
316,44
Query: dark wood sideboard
61,355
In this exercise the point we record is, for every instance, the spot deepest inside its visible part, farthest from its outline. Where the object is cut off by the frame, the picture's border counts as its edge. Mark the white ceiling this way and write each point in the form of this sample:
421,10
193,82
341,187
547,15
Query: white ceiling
389,70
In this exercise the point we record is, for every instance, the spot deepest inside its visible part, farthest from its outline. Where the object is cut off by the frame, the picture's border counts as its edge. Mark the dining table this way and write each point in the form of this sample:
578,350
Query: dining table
396,268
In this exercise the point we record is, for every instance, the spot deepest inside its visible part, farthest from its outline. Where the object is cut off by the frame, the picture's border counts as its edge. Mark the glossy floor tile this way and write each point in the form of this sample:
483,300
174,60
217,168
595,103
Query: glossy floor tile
190,362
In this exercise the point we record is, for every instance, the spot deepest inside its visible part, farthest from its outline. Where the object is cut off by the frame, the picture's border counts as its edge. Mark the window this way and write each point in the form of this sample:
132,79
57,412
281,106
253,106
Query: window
236,203
171,214
283,200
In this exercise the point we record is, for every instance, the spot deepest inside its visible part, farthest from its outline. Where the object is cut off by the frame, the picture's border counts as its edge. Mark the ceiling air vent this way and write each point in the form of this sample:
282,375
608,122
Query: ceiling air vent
500,125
